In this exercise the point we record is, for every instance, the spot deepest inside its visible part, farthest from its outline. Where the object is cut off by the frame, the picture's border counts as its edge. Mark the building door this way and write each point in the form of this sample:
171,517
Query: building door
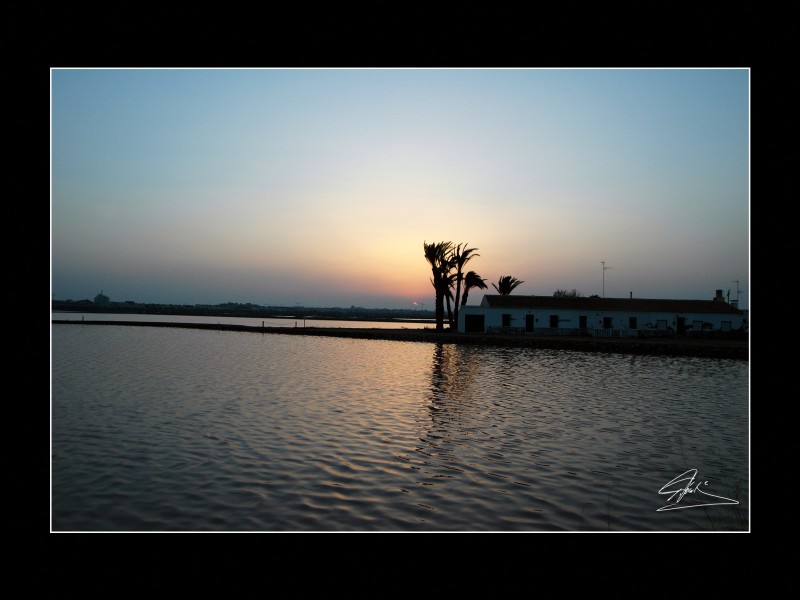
528,323
582,321
474,324
681,325
606,322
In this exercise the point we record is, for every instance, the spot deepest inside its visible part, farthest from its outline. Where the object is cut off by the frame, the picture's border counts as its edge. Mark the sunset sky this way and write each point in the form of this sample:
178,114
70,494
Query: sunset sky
319,187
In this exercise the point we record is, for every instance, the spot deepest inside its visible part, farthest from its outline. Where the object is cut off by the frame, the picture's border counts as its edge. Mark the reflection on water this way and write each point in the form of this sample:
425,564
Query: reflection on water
194,430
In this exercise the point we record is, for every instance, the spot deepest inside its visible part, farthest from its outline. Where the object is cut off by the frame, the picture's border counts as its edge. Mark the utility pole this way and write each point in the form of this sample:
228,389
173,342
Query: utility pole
605,268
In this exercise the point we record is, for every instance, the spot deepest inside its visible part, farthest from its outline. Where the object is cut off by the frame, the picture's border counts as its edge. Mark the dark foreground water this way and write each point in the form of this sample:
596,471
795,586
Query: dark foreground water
186,430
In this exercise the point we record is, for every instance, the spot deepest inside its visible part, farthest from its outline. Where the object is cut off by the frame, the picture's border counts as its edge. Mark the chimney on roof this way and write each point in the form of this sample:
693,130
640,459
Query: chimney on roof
719,298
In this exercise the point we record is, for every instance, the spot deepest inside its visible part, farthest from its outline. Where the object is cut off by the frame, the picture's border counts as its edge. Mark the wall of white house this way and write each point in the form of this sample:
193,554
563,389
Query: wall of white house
621,320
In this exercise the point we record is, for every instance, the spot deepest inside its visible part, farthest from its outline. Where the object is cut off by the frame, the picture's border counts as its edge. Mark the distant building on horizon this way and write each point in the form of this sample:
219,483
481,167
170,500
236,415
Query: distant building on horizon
101,299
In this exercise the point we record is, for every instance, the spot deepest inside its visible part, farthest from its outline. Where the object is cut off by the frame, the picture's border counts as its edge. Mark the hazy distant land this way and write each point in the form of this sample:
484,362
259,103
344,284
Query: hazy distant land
236,309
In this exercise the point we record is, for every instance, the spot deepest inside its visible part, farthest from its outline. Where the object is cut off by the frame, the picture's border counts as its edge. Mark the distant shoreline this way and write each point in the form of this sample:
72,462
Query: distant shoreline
706,348
250,312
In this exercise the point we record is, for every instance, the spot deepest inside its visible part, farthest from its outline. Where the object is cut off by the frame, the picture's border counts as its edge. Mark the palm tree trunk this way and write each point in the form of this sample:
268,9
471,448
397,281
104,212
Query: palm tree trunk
439,307
449,312
458,295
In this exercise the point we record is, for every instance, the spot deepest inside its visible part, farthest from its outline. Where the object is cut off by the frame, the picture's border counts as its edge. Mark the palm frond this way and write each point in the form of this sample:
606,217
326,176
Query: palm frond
506,284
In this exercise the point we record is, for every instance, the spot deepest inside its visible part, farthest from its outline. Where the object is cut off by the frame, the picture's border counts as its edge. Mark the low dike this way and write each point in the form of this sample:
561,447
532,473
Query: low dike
736,349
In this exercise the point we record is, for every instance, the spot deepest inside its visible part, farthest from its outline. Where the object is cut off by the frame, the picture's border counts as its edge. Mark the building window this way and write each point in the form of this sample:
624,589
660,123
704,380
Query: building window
607,322
554,321
582,321
631,322
506,320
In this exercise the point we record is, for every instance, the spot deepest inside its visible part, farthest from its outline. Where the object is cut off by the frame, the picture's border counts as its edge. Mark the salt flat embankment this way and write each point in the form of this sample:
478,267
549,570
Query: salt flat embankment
710,348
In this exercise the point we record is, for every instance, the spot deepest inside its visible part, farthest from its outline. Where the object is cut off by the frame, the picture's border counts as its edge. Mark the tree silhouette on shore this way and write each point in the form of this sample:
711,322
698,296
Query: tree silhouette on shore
447,271
472,280
506,284
573,293
438,256
461,256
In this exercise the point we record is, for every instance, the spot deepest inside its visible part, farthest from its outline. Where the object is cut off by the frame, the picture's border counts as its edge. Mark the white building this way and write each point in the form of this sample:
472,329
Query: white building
638,317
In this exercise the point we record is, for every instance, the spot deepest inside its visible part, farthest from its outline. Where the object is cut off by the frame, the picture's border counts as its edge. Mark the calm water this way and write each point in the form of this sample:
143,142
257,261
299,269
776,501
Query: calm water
189,430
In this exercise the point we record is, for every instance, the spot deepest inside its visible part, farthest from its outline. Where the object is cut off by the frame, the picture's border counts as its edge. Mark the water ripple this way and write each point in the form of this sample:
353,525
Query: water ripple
178,430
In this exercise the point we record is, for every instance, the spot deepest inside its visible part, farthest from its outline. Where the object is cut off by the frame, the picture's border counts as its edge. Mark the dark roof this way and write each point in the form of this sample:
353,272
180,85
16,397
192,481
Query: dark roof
607,304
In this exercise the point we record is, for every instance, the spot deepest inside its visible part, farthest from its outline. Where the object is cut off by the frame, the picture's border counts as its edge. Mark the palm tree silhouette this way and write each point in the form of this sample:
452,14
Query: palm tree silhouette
461,256
438,256
506,284
472,280
448,294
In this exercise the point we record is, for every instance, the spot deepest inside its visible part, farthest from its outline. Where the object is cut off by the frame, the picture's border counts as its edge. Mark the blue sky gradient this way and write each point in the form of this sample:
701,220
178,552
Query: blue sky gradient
319,186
